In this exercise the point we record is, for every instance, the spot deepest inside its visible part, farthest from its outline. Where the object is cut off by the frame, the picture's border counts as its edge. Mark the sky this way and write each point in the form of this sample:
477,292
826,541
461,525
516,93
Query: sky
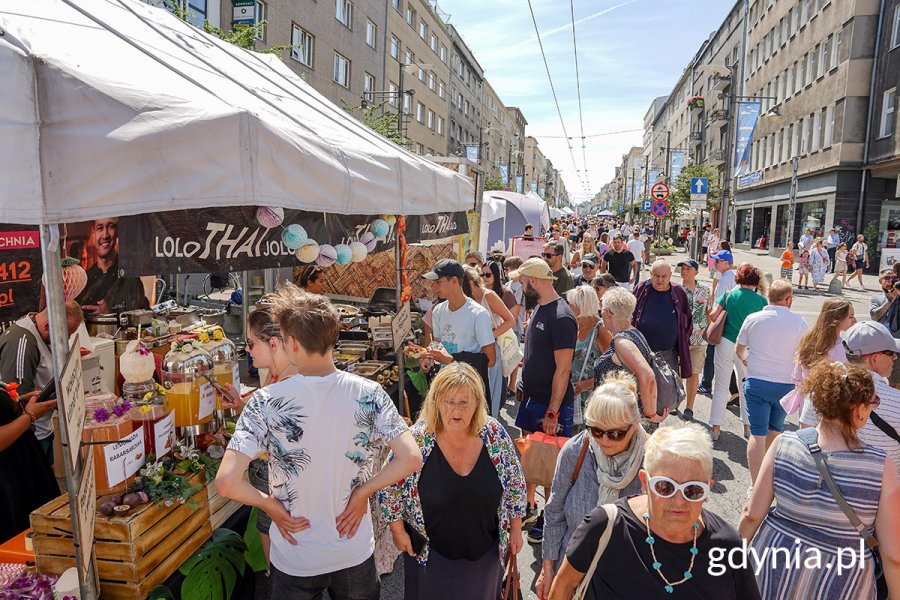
629,52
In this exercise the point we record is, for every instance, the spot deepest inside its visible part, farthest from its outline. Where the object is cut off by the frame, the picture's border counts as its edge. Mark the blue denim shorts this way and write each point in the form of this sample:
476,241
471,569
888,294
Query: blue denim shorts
531,412
763,406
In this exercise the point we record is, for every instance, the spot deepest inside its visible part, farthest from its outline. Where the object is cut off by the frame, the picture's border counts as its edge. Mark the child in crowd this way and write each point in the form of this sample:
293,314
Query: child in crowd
787,262
803,271
840,264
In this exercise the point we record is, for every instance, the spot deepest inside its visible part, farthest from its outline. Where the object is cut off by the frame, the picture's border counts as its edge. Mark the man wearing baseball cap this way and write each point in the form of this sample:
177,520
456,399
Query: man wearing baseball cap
699,303
589,265
871,345
547,395
461,325
723,279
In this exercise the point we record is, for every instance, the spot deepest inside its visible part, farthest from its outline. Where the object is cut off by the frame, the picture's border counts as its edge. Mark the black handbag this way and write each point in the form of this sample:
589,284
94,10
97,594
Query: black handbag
809,436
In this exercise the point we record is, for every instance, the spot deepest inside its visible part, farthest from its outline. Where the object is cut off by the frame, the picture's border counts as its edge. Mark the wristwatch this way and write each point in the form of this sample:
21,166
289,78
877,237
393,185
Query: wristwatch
551,415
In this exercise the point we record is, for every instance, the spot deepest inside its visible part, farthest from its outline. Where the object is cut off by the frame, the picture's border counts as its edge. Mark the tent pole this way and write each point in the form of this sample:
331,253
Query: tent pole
401,383
59,344
245,301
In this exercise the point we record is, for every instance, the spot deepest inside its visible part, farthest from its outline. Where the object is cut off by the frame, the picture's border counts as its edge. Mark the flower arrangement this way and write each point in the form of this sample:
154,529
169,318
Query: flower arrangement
185,346
167,480
103,414
696,102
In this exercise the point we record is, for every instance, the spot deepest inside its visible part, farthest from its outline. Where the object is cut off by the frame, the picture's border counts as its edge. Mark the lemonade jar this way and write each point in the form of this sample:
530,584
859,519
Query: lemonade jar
225,360
150,410
106,420
191,397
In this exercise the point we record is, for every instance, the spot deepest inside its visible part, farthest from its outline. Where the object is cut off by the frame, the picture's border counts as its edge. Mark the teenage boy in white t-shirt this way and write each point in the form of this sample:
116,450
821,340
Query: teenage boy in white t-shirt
322,430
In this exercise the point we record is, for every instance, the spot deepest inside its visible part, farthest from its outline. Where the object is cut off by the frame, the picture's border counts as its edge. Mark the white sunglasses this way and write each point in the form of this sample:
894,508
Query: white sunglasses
693,491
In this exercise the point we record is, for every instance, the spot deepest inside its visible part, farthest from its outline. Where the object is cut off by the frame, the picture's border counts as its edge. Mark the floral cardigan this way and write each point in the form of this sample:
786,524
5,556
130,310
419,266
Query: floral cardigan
401,500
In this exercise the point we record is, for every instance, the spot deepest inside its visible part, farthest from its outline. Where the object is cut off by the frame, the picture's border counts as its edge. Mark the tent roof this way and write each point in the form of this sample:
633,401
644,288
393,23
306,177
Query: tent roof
114,107
532,207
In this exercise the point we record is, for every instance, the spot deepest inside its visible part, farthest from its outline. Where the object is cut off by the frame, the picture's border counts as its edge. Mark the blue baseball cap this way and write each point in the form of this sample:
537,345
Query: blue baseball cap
724,255
690,263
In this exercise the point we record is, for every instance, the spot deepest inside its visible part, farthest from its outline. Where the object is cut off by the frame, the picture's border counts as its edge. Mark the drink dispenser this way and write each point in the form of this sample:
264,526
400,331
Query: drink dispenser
185,371
225,361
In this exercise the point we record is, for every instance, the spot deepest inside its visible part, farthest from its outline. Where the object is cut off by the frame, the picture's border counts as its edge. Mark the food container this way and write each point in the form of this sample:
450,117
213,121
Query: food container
185,369
107,420
352,349
135,318
225,360
150,410
346,310
104,323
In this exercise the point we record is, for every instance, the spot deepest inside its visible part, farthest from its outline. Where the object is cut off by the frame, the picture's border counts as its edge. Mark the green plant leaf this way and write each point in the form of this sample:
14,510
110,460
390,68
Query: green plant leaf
161,592
254,554
212,571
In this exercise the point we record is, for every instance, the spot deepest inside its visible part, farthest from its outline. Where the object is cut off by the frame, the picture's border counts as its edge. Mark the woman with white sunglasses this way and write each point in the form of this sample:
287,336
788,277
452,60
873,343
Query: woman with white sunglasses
663,543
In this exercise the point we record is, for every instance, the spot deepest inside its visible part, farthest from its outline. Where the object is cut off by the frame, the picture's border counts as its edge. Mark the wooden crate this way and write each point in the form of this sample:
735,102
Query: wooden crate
220,509
134,553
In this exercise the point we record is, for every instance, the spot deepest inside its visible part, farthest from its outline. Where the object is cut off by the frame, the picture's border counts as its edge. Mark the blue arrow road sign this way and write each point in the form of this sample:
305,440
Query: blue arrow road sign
645,205
699,185
659,209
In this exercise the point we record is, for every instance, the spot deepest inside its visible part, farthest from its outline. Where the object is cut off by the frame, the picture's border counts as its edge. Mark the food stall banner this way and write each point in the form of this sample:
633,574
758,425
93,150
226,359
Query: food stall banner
229,239
147,113
20,270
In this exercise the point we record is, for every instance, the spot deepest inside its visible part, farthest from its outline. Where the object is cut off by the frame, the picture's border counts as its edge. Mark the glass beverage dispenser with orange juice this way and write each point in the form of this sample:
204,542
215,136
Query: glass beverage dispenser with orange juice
225,364
185,371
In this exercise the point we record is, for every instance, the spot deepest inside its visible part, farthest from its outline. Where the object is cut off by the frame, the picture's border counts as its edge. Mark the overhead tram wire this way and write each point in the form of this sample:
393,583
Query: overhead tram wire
537,33
578,88
590,135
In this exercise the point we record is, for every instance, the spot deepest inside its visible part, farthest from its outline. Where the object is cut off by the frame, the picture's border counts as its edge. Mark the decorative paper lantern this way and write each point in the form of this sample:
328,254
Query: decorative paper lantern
270,216
389,219
74,278
344,254
359,251
380,228
327,255
368,240
294,236
308,252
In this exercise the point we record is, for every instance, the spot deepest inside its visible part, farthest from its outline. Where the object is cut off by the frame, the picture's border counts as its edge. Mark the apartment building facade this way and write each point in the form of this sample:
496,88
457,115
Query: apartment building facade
466,96
339,45
417,61
535,165
814,59
499,131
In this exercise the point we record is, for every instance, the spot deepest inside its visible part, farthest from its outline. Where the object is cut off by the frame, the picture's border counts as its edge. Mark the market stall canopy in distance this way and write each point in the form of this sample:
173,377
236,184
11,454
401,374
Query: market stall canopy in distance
114,108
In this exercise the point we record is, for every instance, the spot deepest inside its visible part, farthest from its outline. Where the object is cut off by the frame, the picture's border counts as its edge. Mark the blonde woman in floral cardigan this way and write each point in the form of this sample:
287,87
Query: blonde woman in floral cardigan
458,518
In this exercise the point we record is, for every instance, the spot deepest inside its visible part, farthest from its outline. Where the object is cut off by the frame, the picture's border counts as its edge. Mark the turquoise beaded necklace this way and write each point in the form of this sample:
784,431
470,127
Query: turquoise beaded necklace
657,566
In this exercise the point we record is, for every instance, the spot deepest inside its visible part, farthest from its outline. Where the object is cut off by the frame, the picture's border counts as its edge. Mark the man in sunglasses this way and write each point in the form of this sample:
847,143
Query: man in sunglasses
589,265
620,262
872,346
553,255
884,309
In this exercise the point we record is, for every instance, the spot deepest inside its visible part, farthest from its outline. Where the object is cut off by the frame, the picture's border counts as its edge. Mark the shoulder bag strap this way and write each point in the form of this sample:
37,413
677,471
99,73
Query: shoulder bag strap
612,512
587,352
885,427
581,456
811,441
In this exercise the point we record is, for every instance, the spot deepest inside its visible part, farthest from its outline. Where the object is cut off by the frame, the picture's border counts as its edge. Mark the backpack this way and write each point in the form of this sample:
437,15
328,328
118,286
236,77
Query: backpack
669,389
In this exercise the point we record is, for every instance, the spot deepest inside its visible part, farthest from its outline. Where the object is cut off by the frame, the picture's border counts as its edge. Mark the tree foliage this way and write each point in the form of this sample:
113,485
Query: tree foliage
378,120
243,36
680,194
493,184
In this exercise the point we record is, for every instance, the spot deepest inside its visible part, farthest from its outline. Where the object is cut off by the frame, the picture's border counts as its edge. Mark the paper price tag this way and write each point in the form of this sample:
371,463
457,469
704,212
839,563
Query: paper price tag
207,400
164,434
125,457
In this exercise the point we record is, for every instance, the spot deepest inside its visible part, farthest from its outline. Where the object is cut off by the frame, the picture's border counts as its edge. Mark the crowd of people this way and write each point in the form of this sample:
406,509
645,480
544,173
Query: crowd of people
625,512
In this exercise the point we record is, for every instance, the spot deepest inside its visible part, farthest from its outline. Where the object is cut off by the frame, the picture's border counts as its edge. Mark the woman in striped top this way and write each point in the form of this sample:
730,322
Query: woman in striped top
799,544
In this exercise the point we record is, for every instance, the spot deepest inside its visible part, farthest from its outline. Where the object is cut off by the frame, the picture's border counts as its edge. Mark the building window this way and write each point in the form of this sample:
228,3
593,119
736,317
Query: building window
811,62
423,30
303,43
433,43
440,125
395,48
805,131
443,54
343,12
422,75
895,28
371,33
441,90
888,113
368,84
795,20
431,81
260,17
409,56
801,74
420,112
410,17
430,119
825,59
196,12
829,127
407,104
341,70
816,131
835,51
394,94
396,5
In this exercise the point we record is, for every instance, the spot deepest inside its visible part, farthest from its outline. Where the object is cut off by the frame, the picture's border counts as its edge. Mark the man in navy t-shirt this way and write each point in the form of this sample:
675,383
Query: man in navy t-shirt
550,341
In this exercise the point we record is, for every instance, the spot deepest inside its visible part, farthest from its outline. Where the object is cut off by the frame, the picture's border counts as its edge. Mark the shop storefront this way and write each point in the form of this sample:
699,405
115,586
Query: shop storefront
810,215
742,227
889,233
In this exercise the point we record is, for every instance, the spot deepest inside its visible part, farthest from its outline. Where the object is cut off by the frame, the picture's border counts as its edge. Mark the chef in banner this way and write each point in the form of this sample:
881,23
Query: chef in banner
105,291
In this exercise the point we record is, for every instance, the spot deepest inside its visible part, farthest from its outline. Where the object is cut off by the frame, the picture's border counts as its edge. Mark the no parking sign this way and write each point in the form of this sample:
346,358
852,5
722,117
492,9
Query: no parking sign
659,209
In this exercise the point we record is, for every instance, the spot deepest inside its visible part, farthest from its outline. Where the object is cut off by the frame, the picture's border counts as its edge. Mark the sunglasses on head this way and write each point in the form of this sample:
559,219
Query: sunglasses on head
613,435
693,491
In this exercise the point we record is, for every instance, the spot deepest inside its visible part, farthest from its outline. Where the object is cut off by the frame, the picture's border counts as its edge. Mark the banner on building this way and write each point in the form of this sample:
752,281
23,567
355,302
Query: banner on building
519,183
534,186
654,175
472,152
504,174
748,116
231,239
677,164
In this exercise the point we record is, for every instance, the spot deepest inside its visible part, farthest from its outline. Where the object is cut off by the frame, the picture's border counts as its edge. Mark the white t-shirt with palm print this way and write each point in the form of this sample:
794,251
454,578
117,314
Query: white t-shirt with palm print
322,434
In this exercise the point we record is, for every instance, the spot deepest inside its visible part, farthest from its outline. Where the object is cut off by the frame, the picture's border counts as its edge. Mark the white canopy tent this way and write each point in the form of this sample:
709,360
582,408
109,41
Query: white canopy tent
555,213
114,108
504,215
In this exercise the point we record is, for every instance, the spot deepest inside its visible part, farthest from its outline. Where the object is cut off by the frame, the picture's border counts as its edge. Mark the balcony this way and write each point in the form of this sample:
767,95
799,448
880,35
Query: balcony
695,138
720,114
720,84
715,157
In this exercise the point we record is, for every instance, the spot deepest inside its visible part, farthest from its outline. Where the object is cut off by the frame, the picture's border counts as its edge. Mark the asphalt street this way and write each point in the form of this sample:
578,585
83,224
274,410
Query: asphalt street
732,479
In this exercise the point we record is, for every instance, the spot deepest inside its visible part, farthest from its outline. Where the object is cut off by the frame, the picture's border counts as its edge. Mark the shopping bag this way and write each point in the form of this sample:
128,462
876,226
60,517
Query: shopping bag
510,352
539,452
792,401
